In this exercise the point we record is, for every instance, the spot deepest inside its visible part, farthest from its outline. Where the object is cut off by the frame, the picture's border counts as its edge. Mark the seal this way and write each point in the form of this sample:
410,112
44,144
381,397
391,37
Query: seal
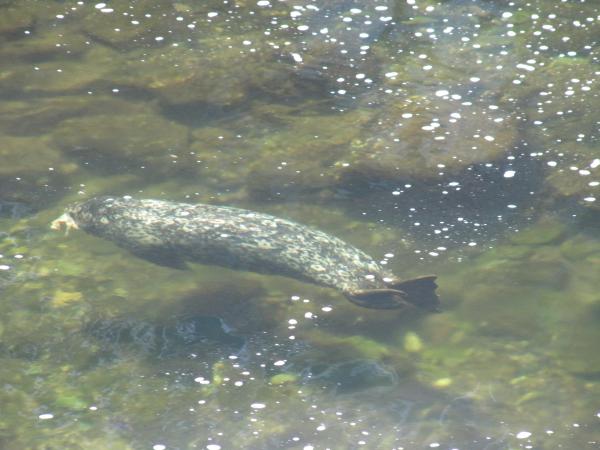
172,234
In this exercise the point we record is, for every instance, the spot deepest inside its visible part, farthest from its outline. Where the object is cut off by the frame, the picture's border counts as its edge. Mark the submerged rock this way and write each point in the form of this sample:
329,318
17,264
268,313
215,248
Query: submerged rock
180,76
42,115
41,45
63,75
566,128
304,154
546,231
142,141
415,142
130,25
352,376
181,337
15,19
29,166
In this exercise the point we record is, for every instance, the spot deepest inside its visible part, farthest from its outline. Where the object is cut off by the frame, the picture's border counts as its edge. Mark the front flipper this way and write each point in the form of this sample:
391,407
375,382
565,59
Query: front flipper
379,298
160,257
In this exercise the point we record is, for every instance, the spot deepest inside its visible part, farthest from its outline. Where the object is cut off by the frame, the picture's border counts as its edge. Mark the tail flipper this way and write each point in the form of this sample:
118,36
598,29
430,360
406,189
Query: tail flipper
419,292
379,298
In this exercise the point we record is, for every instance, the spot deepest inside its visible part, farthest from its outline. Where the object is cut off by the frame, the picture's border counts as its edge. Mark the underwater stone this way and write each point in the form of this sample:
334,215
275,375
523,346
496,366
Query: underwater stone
15,19
29,157
134,140
412,342
70,75
543,232
42,115
412,153
117,30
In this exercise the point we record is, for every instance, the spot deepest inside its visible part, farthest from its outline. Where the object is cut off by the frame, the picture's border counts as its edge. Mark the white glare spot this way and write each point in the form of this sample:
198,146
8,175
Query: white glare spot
258,406
262,3
215,446
281,362
441,93
526,67
99,5
212,14
297,57
159,447
4,267
509,174
589,199
595,163
523,434
46,416
391,74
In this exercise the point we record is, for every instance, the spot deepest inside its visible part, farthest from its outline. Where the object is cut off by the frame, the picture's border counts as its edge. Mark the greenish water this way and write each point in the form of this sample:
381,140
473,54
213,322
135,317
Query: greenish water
451,137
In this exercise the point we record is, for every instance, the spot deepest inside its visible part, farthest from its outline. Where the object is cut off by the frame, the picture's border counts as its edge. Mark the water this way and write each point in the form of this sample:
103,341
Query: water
450,137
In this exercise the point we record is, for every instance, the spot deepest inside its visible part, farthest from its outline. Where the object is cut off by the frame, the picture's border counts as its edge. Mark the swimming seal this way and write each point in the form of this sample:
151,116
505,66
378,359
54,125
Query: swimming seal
172,234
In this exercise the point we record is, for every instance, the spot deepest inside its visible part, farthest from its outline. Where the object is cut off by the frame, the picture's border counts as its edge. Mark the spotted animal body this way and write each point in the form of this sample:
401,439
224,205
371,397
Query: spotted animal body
172,234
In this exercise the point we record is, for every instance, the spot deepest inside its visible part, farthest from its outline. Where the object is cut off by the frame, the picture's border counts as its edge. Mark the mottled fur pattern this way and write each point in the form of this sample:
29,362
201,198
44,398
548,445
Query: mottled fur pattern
172,233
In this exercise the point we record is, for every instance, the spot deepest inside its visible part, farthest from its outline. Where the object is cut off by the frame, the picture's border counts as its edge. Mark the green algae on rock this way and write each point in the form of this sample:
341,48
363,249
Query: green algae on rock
65,75
568,125
134,26
131,140
545,231
25,172
14,20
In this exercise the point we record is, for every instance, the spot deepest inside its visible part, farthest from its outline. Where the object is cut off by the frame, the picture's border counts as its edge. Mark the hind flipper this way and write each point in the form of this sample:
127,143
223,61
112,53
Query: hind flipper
420,292
379,298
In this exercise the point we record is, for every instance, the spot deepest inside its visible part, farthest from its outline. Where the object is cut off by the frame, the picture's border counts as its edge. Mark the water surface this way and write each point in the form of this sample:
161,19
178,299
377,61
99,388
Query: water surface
452,137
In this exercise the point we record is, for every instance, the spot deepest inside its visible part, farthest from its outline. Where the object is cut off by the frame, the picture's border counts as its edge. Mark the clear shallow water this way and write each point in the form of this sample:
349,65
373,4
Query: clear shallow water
458,138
